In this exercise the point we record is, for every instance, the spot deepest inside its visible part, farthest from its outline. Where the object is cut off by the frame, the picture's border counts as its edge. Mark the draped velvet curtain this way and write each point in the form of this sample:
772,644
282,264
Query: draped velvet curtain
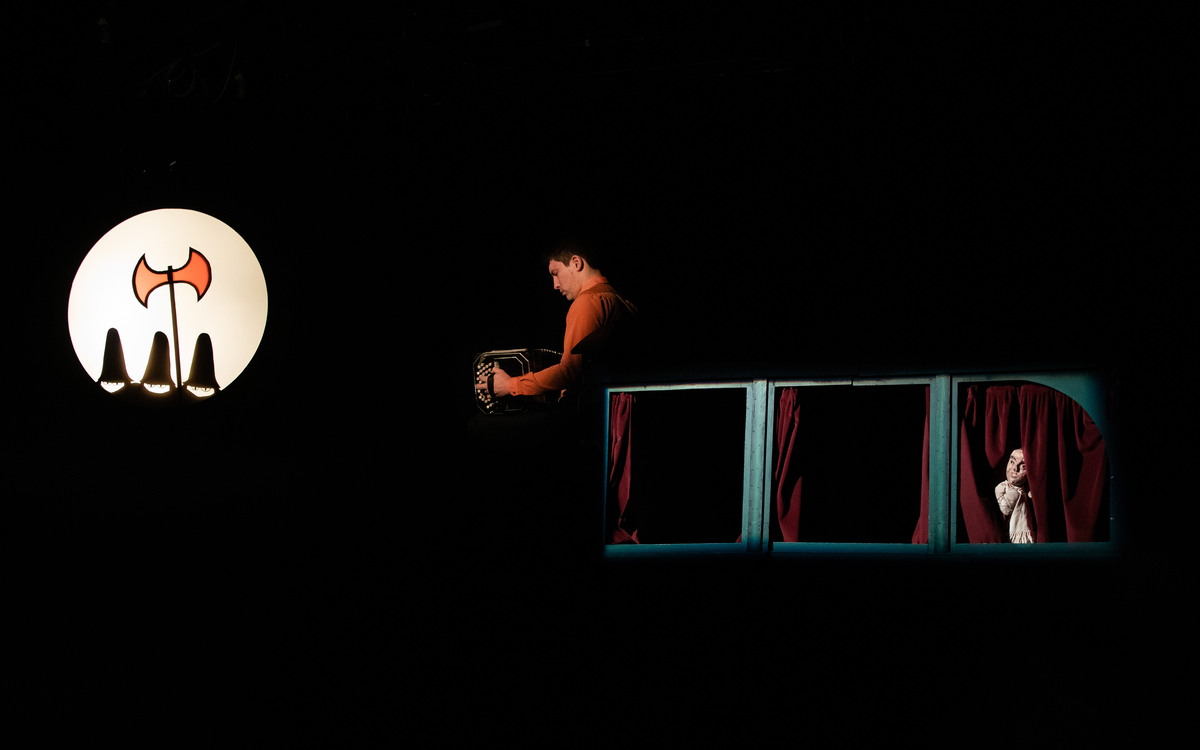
622,526
1065,460
788,479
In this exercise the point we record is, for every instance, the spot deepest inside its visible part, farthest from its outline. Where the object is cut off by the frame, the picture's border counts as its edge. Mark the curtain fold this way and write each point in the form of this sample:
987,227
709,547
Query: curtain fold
622,526
986,437
788,477
921,533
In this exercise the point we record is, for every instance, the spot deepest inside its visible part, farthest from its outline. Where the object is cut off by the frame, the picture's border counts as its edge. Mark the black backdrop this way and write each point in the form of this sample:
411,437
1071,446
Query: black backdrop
867,190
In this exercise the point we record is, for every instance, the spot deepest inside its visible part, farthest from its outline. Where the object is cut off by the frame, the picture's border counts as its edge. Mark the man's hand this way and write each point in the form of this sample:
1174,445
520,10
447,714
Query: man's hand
500,382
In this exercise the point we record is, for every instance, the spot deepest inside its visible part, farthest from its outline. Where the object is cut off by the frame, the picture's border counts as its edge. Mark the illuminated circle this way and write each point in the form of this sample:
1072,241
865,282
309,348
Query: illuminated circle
122,284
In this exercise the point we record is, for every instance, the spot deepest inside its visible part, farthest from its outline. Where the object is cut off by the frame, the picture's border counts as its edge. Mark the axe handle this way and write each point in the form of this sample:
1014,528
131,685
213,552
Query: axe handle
175,328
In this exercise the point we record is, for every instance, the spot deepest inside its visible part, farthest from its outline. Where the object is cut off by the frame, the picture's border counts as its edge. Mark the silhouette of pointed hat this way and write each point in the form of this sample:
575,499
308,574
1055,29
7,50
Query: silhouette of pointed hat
158,367
204,372
114,370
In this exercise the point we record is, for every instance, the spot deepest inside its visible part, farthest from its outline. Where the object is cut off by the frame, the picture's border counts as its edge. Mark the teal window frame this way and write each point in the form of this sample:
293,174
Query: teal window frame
1088,389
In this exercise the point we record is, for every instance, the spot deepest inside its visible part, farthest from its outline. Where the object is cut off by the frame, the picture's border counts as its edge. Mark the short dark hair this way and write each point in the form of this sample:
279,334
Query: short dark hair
562,248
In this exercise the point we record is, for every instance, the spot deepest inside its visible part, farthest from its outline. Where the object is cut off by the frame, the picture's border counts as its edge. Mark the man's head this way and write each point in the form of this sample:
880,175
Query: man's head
570,276
1016,468
572,262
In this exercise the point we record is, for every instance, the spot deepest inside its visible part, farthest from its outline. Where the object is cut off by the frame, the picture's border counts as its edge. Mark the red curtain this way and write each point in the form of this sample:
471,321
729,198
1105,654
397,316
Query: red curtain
1067,479
621,525
921,533
1064,457
788,481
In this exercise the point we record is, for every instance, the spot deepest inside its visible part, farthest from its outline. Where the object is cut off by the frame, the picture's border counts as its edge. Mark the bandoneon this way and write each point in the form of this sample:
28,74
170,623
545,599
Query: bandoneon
515,363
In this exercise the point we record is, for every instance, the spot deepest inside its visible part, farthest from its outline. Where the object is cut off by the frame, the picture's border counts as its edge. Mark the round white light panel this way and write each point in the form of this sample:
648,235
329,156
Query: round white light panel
233,310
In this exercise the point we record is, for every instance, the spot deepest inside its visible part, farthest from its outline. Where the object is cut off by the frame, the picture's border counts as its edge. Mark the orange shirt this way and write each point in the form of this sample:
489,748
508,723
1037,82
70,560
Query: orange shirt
595,306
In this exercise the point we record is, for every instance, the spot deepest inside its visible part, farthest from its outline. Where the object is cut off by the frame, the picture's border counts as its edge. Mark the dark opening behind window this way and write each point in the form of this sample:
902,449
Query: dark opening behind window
858,451
687,458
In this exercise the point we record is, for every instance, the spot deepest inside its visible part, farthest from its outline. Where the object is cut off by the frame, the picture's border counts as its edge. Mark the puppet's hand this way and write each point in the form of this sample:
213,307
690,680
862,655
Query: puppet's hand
1007,495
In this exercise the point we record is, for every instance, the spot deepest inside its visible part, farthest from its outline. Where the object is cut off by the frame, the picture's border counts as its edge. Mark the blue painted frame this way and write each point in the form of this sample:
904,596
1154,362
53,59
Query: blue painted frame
1086,388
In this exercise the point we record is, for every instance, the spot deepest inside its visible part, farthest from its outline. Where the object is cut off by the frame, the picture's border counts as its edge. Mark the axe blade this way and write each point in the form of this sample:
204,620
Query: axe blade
197,272
146,280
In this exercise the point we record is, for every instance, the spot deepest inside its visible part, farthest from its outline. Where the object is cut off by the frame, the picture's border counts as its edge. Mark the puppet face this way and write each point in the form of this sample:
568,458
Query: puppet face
567,278
1016,468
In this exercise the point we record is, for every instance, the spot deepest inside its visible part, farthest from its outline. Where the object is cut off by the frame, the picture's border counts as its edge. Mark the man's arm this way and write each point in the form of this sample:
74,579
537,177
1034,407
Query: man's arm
534,383
587,314
554,378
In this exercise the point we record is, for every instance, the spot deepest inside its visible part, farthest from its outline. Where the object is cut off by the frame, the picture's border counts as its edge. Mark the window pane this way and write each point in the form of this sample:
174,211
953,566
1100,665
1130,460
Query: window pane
851,468
687,466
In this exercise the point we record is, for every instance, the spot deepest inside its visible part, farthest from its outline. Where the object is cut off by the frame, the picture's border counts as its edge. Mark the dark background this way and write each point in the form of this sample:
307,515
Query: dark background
859,190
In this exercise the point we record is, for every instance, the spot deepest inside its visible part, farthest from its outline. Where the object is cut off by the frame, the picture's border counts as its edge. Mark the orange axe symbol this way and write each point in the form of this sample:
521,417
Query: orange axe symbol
197,272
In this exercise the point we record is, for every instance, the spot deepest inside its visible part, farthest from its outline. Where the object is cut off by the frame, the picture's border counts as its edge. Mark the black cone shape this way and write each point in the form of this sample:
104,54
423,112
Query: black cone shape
204,372
158,368
114,360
